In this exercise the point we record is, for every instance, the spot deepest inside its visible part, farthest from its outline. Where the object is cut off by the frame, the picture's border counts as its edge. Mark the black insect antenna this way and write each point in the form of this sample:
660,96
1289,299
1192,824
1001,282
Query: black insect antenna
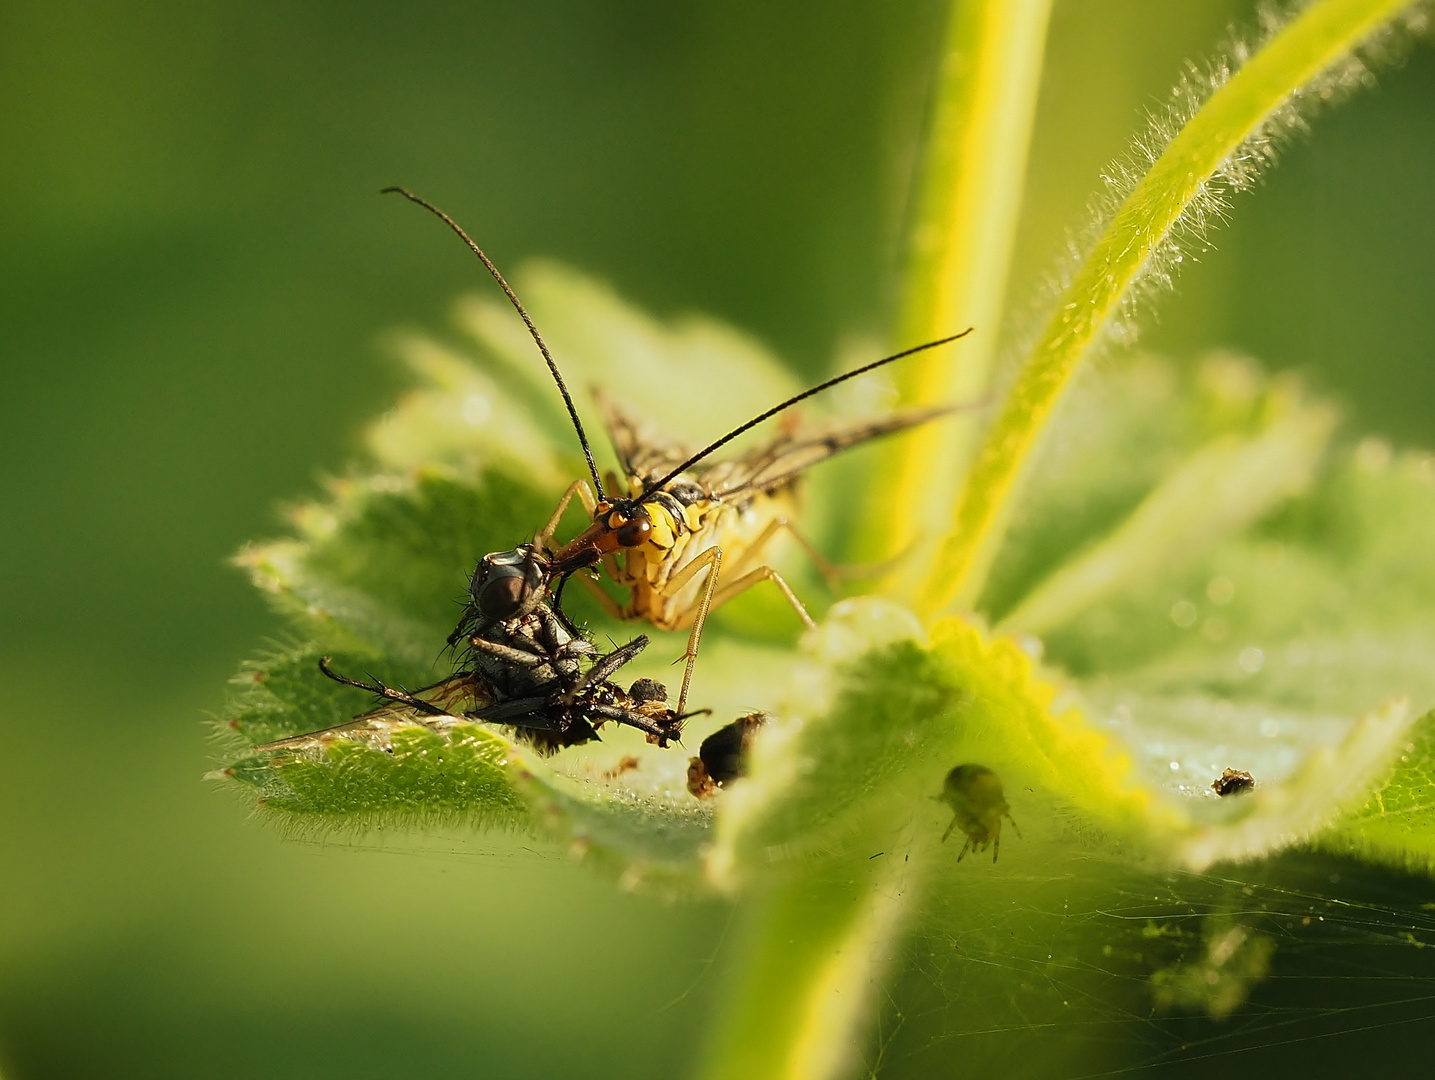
523,314
653,488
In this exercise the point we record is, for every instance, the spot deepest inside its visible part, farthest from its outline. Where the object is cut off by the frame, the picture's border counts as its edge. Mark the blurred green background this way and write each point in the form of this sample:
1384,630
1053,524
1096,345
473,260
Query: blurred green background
195,274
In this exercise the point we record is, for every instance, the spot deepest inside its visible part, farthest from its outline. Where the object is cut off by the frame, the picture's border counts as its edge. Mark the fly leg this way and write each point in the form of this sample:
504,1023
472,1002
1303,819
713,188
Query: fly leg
360,723
610,607
401,696
506,653
606,666
544,540
645,724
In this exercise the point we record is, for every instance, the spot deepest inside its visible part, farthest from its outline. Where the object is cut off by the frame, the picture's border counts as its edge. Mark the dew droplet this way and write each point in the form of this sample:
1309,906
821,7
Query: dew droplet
1221,590
1184,613
475,410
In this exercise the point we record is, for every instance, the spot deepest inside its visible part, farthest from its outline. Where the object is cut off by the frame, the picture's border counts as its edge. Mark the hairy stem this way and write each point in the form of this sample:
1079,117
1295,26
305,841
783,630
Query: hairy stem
1320,37
959,251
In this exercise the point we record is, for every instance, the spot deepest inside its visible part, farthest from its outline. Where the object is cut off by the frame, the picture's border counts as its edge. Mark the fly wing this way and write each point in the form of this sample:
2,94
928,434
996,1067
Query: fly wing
376,726
643,450
787,457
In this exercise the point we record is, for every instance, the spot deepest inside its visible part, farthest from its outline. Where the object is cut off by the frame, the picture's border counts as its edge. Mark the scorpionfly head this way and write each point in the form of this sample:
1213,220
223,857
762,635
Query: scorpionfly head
626,521
623,523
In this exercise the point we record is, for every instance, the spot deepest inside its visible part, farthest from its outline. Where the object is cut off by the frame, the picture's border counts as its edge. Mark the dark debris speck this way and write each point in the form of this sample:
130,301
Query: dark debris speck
1233,782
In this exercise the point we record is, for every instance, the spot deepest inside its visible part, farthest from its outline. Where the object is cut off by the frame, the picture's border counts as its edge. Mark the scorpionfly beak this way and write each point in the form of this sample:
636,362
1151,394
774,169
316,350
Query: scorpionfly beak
585,549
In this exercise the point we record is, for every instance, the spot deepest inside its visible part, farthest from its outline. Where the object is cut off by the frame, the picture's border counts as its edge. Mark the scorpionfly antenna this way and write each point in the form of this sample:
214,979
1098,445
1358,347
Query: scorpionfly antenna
523,314
653,488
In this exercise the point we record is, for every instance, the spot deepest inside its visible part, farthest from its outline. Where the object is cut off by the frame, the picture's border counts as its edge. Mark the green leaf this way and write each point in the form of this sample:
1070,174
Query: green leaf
876,711
1249,622
837,831
875,718
385,563
1216,492
415,776
838,824
404,771
1396,824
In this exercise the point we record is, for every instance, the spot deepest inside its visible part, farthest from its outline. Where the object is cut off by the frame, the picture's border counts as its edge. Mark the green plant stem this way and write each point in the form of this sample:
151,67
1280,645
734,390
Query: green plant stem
814,946
959,251
1315,40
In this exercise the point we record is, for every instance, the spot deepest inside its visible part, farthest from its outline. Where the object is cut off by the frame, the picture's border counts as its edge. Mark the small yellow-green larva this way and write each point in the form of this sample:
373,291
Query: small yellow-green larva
978,805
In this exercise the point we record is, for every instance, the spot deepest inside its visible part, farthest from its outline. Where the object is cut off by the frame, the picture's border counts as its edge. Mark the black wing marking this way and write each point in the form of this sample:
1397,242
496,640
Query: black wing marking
644,450
648,454
781,461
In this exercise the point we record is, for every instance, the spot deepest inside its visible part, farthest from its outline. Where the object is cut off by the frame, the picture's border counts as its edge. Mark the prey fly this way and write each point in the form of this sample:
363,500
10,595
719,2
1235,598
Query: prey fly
522,665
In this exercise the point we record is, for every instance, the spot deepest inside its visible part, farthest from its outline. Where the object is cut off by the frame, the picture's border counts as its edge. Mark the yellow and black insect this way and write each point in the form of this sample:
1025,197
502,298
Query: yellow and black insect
681,534
687,535
978,805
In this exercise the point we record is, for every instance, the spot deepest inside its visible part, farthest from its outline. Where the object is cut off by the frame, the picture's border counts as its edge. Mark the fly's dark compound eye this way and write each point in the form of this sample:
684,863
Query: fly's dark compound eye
501,597
507,583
